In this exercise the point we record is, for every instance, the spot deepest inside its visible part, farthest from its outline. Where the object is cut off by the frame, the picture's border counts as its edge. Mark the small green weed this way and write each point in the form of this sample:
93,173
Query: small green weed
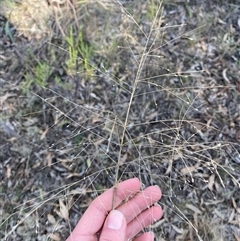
36,76
80,54
153,9
8,31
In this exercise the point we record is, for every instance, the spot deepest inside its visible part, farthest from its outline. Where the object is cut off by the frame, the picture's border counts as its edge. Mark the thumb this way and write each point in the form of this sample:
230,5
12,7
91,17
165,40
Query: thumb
115,227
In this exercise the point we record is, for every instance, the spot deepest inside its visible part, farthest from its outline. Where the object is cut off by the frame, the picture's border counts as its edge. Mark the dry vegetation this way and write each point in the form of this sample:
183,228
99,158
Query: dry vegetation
100,91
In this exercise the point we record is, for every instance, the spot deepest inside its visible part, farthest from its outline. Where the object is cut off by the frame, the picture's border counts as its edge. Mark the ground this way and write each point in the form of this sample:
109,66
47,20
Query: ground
95,92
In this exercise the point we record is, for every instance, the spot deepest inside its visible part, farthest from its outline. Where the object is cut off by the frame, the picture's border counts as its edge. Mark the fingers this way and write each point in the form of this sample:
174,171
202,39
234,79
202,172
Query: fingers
140,202
114,228
134,213
92,220
143,220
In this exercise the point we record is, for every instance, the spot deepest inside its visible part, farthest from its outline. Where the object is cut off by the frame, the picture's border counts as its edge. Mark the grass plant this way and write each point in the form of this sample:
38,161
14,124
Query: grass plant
159,110
38,76
79,51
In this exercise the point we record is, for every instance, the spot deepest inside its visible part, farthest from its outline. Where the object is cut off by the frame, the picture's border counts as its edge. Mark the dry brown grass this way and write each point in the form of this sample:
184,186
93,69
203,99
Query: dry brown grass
161,104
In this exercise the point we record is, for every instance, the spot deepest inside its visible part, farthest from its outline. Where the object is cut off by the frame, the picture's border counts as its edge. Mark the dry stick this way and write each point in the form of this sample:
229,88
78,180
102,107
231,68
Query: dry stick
139,71
57,18
72,5
58,23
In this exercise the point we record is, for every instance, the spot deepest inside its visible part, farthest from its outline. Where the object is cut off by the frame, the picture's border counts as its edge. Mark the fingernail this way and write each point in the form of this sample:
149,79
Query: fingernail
115,220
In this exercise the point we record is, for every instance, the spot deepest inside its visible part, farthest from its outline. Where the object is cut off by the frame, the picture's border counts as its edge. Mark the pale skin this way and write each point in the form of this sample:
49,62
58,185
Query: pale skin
132,211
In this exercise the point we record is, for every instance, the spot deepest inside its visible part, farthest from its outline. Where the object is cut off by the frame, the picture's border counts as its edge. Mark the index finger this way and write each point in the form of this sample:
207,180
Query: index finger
93,219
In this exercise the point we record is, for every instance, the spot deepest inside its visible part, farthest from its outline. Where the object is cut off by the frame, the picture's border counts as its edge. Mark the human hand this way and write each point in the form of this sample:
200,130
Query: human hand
132,212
